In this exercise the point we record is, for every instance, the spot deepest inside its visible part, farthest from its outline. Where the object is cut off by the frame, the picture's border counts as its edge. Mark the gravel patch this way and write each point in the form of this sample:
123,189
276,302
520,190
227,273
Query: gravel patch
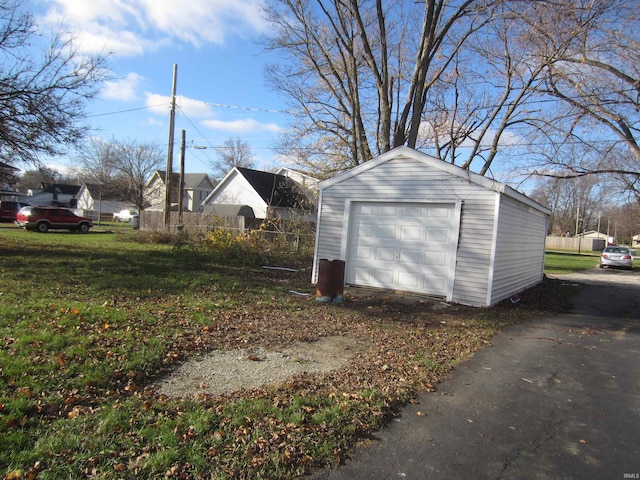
604,276
220,372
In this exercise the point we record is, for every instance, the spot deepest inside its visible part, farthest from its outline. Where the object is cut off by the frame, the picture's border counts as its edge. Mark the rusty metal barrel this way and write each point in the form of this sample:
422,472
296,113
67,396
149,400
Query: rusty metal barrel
330,285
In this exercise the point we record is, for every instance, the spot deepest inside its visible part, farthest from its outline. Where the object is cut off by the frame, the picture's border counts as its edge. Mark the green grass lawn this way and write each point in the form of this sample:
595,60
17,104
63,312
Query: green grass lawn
88,322
568,262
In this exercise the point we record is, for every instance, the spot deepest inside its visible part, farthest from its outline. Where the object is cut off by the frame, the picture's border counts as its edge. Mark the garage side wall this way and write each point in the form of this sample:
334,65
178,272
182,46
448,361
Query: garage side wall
519,255
408,180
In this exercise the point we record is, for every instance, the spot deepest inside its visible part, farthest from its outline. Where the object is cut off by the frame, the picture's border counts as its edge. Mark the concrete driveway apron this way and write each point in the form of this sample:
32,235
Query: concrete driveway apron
554,398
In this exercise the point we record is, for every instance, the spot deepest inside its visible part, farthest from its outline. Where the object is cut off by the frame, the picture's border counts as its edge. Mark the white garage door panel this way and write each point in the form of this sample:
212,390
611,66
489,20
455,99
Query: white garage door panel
435,259
410,233
408,281
403,246
385,254
387,231
411,257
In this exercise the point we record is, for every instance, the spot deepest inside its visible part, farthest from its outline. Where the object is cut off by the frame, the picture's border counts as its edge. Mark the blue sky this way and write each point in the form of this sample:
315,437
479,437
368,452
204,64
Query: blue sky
220,82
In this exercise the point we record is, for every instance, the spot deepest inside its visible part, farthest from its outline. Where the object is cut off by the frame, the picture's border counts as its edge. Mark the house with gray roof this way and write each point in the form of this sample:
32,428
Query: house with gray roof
269,195
197,186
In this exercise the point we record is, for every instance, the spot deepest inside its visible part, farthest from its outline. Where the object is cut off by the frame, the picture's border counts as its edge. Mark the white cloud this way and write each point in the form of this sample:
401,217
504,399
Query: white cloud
123,89
158,103
191,108
204,21
131,27
188,106
107,41
194,108
242,126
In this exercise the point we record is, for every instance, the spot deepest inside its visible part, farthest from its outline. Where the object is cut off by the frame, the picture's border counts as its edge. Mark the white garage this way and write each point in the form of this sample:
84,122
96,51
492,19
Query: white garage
406,221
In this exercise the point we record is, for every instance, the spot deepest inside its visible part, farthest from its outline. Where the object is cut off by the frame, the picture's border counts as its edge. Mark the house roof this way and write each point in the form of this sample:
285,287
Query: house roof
6,166
297,174
592,234
191,180
276,190
404,151
60,188
224,210
98,191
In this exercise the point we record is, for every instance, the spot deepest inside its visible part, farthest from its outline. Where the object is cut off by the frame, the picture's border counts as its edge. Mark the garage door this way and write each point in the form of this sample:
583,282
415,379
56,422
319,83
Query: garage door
403,246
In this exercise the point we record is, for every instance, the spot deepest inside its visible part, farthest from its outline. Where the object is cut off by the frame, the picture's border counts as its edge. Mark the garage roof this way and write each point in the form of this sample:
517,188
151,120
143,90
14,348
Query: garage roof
439,164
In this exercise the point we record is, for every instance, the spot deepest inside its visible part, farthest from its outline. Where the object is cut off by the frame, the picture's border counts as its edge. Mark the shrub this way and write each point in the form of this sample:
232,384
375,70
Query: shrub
272,242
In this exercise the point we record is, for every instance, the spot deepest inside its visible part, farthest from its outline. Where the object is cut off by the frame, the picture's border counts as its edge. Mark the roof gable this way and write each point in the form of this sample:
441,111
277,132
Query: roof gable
195,180
432,162
191,180
97,191
276,190
60,188
6,166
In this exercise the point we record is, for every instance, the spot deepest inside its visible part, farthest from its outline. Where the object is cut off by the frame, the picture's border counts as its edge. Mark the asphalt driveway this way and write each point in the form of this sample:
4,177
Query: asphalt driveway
555,398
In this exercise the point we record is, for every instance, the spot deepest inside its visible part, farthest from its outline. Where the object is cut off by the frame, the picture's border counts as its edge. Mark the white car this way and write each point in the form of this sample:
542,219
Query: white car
614,256
125,215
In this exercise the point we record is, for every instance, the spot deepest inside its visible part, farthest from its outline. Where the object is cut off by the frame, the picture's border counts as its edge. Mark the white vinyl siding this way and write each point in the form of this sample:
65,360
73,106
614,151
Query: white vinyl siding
238,191
519,249
475,248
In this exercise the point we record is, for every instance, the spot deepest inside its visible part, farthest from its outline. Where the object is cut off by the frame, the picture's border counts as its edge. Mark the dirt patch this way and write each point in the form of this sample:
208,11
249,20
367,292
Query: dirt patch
604,276
220,372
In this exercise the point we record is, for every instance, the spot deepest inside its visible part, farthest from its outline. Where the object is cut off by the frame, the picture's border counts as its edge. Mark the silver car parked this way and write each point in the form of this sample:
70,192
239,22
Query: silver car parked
616,257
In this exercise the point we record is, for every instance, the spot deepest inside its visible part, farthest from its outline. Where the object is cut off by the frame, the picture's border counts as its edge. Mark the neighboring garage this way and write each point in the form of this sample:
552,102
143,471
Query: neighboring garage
406,221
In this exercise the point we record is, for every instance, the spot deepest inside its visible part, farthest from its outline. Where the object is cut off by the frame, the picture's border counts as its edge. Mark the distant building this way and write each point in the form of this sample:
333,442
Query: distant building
197,186
7,178
268,195
94,201
57,194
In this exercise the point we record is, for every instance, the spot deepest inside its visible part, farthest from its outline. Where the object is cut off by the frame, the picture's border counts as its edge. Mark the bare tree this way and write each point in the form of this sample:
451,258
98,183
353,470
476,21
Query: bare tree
596,84
99,162
233,152
121,168
136,162
33,178
470,82
576,203
41,99
358,73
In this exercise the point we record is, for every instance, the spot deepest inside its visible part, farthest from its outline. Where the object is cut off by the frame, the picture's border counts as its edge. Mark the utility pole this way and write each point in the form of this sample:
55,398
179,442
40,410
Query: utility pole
181,188
172,120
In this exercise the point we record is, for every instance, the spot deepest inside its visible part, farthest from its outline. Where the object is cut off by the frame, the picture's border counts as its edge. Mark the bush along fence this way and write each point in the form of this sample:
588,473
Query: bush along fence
189,222
236,234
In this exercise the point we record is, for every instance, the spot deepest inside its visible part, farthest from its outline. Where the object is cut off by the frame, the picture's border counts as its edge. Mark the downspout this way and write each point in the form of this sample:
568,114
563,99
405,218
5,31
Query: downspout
314,272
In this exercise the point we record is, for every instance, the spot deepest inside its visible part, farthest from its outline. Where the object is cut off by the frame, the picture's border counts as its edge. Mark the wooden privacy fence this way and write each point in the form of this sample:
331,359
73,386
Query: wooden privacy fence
575,243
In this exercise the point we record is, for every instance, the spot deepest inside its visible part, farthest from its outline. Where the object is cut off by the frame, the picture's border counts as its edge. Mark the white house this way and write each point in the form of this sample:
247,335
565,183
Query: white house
53,194
268,194
197,186
410,222
93,201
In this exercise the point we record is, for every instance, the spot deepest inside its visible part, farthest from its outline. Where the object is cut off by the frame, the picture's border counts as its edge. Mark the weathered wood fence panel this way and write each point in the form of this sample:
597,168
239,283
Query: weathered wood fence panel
575,243
196,222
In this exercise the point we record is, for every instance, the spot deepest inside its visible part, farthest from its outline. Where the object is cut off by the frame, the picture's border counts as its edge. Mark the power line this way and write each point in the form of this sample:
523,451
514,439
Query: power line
251,109
125,111
195,127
